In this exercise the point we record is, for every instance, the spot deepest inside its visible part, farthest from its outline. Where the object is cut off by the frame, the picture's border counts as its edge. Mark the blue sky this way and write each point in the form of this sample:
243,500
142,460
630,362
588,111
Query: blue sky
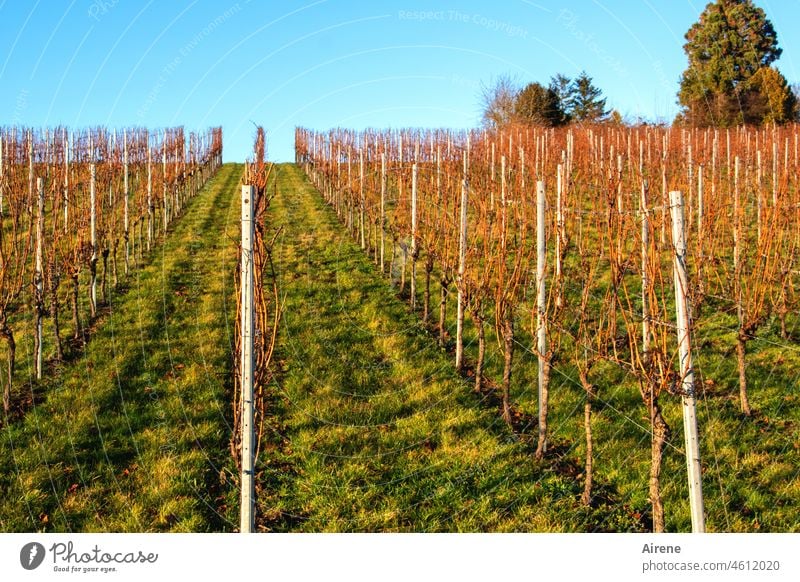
329,63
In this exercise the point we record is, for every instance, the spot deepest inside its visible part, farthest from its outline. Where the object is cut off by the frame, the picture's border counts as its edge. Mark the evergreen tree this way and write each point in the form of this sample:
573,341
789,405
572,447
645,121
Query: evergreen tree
539,105
562,85
585,104
729,79
768,98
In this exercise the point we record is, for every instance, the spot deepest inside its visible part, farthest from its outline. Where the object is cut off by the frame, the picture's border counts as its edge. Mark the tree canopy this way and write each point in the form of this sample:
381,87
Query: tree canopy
585,103
729,79
498,100
562,101
539,105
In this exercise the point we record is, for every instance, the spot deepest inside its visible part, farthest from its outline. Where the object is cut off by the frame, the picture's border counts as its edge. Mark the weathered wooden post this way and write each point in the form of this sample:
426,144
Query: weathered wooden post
126,194
38,275
413,236
93,238
361,195
149,195
462,264
692,439
247,364
541,318
383,208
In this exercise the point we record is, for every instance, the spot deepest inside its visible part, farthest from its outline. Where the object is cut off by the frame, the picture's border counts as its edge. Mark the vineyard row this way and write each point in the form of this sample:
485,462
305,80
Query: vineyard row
571,230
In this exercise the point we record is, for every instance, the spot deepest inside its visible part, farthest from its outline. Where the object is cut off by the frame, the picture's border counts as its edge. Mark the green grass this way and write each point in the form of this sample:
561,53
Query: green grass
374,429
370,428
132,435
750,466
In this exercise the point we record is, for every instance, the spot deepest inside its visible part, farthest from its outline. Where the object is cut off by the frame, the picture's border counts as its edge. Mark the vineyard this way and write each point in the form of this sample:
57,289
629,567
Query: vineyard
559,246
591,328
85,206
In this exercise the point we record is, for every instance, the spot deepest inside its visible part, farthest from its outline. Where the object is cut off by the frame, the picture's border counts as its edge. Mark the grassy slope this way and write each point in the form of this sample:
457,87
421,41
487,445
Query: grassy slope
751,477
372,429
132,436
751,480
379,432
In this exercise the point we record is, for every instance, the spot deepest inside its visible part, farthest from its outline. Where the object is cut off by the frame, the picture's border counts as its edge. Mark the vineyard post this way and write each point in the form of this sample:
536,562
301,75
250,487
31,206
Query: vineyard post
439,173
759,196
700,235
491,190
700,207
361,195
30,168
774,174
738,291
462,260
383,206
93,239
38,275
339,209
248,433
350,209
541,321
164,181
692,439
728,142
67,149
690,182
125,219
413,236
664,192
503,202
559,232
149,195
180,170
645,278
620,199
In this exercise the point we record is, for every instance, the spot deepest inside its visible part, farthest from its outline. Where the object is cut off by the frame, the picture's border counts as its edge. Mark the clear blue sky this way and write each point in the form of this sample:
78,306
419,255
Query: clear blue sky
332,63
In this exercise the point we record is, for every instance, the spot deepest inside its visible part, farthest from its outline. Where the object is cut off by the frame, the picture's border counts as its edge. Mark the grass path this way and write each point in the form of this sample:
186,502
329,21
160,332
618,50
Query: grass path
378,433
132,436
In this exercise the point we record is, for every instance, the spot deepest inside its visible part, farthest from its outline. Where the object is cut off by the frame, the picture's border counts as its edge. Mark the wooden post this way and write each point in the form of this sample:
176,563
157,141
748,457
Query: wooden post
503,202
30,170
462,260
126,194
700,208
383,206
149,196
541,319
361,195
736,231
774,174
413,236
38,276
178,172
692,439
559,233
164,182
350,204
439,175
759,194
664,193
645,278
67,149
93,235
247,335
690,182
